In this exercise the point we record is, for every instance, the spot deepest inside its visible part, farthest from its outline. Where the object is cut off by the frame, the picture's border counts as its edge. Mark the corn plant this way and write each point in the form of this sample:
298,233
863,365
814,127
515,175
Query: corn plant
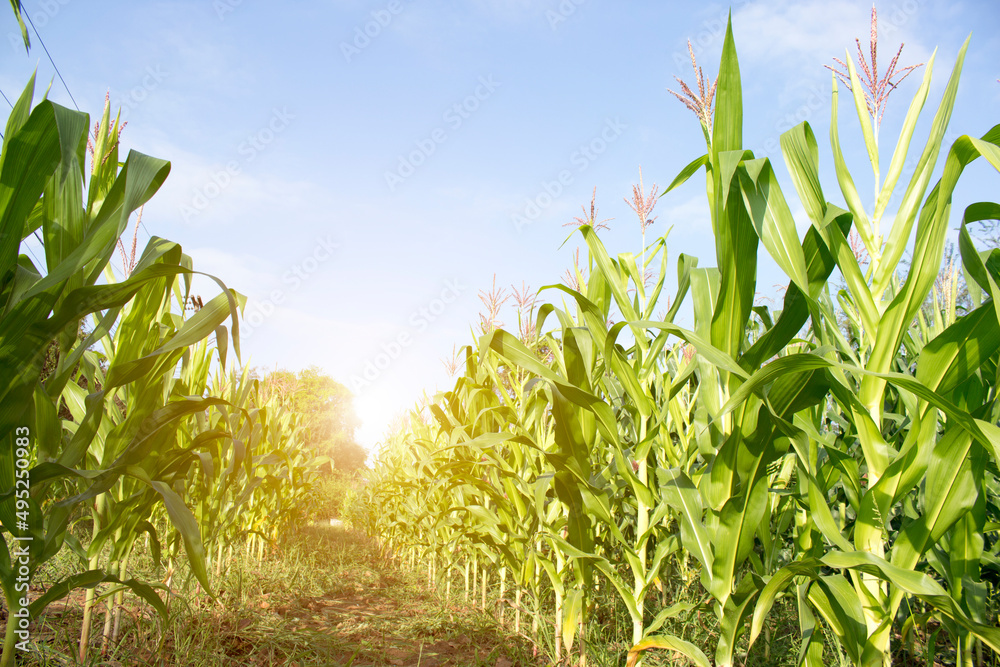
945,441
147,435
42,179
839,446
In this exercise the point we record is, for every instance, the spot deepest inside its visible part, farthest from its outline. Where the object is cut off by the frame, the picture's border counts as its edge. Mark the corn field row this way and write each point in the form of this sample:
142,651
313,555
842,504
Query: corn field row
123,414
839,452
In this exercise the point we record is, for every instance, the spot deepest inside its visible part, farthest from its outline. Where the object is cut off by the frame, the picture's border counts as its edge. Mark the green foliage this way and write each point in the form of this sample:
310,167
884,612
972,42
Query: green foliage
837,452
837,456
108,412
327,413
74,460
332,495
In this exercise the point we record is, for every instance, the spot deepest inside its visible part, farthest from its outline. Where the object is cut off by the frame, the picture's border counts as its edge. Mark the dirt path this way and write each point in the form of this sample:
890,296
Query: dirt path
326,598
388,620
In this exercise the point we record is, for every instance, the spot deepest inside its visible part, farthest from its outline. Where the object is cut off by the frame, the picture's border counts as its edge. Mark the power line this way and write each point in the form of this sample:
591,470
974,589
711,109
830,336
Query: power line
8,104
65,85
45,48
28,247
42,243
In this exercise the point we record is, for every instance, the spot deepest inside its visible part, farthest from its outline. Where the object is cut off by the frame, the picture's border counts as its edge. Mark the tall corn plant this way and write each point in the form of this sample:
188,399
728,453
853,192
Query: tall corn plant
749,444
948,403
159,401
585,361
42,192
616,417
723,494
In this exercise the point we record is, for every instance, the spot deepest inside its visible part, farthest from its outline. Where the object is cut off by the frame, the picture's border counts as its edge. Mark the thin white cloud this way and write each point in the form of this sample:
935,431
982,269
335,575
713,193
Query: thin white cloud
810,33
202,191
509,7
690,216
247,274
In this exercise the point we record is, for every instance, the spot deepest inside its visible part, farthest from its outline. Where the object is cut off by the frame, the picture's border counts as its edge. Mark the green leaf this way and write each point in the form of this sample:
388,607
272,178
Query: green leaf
572,610
681,493
903,143
727,126
837,602
773,221
187,526
899,236
863,116
927,253
29,159
917,584
92,578
844,178
798,148
960,351
671,643
687,172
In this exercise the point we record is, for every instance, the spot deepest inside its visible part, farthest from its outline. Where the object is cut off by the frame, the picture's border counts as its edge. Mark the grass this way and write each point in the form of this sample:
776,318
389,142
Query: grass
328,597
325,598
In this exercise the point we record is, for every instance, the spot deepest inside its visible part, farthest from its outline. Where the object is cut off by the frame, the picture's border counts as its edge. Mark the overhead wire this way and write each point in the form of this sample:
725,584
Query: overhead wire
8,104
46,49
68,92
32,252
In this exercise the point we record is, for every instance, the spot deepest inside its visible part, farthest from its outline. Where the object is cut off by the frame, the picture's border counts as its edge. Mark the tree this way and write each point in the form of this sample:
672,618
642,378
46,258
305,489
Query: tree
327,413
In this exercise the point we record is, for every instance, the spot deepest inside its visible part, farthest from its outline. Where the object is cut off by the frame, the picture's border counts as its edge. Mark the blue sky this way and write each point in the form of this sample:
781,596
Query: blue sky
362,170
